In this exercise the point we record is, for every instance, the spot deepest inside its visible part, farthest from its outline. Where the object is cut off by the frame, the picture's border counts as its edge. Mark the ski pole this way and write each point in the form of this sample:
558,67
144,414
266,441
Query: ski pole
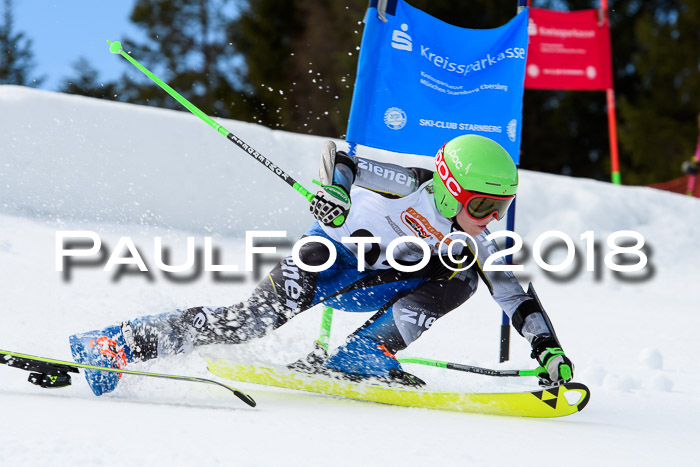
472,369
54,373
116,48
326,322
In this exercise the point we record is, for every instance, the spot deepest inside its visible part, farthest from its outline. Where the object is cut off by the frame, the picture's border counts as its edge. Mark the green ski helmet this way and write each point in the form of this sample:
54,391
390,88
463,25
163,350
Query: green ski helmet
473,163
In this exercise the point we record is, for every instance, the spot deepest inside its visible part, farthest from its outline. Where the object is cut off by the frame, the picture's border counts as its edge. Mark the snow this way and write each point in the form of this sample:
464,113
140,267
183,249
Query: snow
75,163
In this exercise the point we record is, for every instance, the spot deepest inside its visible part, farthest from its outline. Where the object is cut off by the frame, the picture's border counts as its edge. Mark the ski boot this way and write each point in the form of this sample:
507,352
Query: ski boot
107,348
311,363
363,358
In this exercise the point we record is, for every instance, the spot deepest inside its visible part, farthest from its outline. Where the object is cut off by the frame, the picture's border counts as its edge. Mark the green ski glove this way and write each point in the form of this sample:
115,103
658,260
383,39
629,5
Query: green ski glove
557,368
331,205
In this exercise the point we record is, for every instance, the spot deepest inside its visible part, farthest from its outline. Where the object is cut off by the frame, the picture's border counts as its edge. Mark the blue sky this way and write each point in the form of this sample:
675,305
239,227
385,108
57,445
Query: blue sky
62,31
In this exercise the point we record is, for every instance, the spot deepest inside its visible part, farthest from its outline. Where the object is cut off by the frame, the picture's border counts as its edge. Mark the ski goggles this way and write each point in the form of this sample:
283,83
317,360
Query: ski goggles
481,205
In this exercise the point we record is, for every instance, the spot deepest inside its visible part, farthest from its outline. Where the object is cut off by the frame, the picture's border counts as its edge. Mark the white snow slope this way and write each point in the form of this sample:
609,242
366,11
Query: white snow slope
74,163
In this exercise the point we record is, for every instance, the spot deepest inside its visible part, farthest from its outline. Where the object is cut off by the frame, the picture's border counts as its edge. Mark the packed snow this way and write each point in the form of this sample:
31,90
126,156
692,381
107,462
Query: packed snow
70,163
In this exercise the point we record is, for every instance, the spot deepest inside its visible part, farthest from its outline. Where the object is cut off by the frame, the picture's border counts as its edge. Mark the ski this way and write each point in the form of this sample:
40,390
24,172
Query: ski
52,373
546,403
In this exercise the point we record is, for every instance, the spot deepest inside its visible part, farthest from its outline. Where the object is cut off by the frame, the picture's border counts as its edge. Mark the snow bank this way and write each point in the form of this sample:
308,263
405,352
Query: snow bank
74,163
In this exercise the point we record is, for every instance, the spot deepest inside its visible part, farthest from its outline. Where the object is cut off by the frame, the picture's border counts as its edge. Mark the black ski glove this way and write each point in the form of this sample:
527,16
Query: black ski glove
331,205
557,368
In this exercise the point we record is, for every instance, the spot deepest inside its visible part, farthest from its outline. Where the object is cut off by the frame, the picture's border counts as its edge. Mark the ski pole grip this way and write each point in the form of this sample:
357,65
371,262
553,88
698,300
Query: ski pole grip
115,47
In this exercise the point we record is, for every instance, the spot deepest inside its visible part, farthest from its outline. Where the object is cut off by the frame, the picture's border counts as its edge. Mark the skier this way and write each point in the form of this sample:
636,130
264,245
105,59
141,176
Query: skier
474,183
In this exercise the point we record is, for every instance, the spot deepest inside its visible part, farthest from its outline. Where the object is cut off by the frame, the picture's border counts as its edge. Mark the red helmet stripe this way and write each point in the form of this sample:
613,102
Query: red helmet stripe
448,179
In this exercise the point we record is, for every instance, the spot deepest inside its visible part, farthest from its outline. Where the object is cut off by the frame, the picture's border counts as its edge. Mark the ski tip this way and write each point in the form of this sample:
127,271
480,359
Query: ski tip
583,390
115,47
245,398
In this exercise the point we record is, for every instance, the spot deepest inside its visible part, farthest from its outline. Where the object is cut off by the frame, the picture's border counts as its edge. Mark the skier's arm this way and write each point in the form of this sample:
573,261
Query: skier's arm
390,180
532,322
528,317
340,171
504,286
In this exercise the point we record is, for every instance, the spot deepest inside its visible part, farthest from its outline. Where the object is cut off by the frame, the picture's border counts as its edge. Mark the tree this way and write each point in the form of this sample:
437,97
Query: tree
300,58
292,65
301,55
16,56
186,46
656,59
659,120
87,82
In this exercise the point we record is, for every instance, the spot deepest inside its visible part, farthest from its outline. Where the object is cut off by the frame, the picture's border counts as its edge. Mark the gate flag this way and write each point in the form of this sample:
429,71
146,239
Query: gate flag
421,82
568,50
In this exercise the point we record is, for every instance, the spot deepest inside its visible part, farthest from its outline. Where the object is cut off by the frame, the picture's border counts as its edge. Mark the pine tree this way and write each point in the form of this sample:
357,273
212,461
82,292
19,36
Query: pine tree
656,57
87,82
186,46
292,65
301,55
16,56
263,34
300,61
659,120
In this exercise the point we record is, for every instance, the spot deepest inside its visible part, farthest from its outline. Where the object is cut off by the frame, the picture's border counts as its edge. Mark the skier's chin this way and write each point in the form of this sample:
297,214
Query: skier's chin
472,228
475,229
470,225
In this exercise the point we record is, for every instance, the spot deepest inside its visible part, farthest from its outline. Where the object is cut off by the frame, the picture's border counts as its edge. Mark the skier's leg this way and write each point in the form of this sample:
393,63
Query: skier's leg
429,295
285,292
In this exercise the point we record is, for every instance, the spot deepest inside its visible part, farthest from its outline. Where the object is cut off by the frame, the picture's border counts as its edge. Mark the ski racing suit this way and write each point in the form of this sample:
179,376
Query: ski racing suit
389,201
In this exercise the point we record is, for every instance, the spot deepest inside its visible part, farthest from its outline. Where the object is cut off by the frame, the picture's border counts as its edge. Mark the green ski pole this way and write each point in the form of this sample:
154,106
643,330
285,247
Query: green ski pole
116,48
472,369
326,321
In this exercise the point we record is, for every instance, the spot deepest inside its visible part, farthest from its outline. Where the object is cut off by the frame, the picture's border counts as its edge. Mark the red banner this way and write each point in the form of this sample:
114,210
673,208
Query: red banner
568,50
